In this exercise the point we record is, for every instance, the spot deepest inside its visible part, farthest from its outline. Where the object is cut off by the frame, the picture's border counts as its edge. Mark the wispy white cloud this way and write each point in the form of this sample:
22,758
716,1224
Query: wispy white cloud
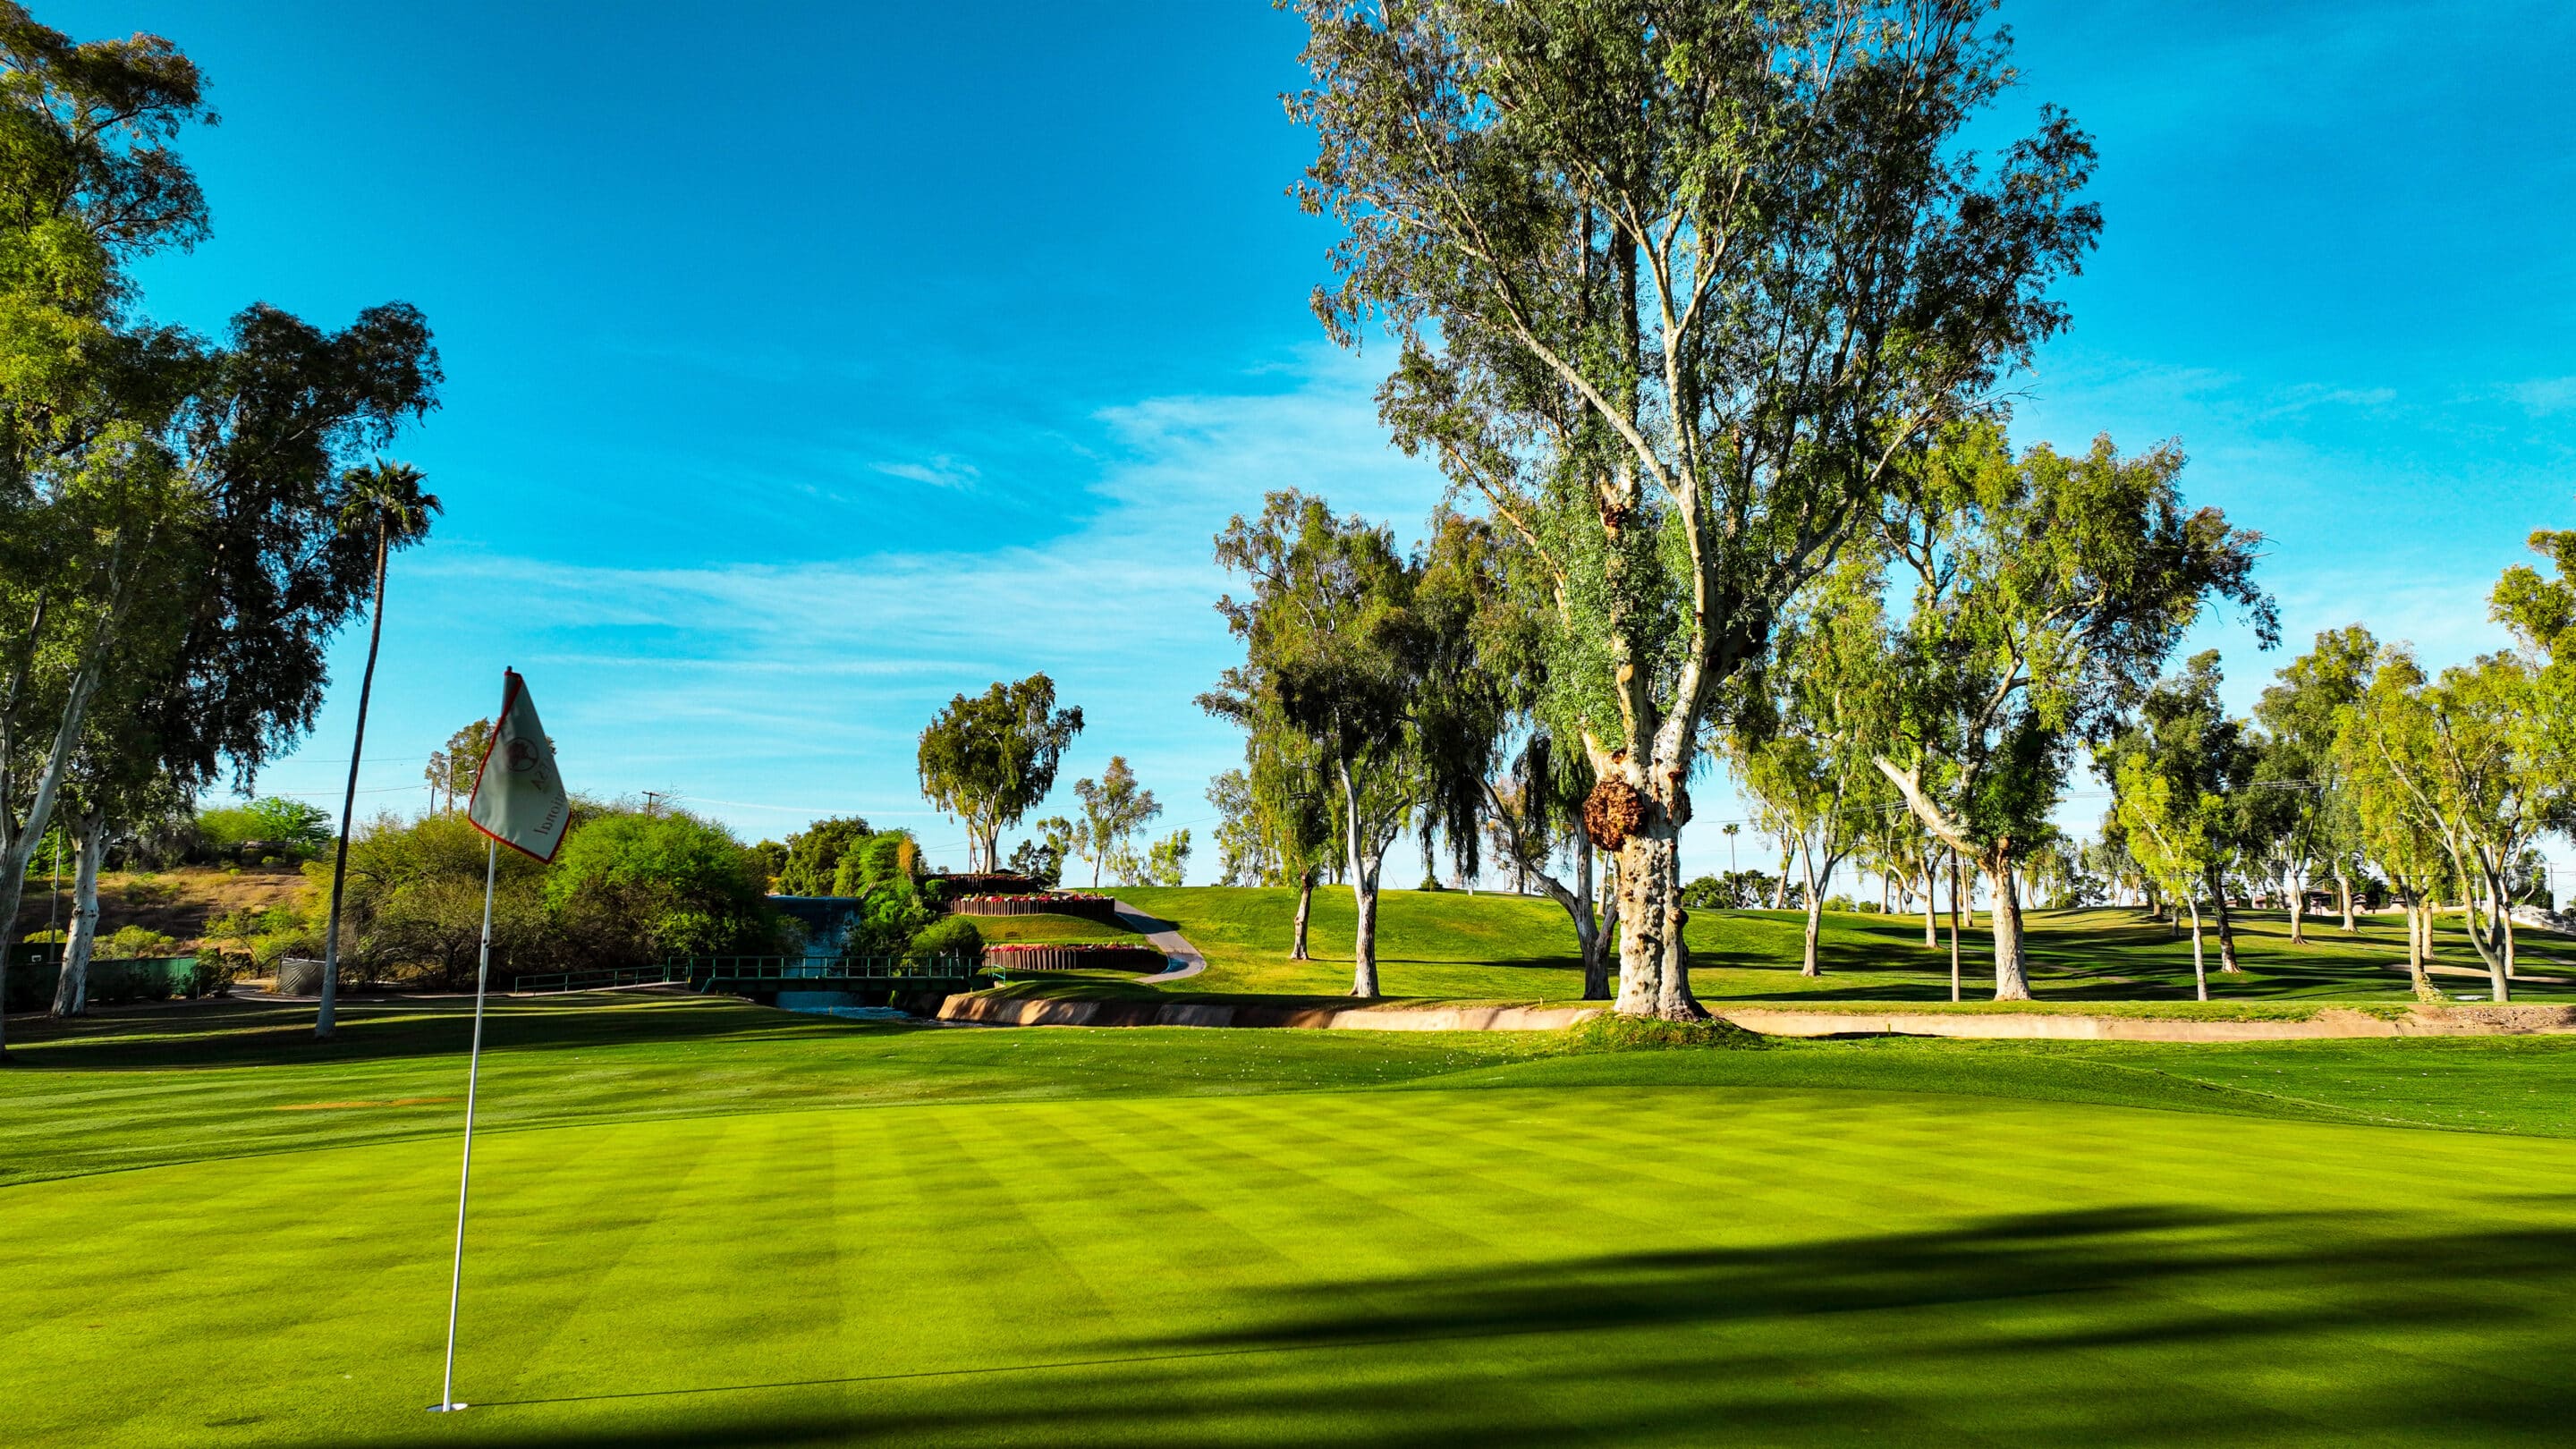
752,686
2545,395
941,471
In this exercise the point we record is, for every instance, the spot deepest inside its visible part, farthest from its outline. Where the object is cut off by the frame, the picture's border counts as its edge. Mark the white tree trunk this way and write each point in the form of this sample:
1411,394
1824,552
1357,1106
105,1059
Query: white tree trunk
1654,965
1815,906
2199,966
1305,908
1364,868
1955,892
2012,965
71,988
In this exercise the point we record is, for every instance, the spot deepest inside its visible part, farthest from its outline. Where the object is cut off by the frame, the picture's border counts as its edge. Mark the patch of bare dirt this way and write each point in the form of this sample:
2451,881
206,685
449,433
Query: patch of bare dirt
176,903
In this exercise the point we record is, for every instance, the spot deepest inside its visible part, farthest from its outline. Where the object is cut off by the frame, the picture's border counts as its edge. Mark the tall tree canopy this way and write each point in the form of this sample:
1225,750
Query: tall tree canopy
989,760
1372,657
170,545
1673,286
2047,591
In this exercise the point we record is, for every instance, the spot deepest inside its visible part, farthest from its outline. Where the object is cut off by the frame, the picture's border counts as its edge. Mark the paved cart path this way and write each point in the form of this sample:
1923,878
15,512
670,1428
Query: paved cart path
1170,943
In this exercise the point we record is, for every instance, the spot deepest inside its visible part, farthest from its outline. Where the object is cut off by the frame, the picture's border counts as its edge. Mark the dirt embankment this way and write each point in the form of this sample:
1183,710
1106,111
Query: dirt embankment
177,903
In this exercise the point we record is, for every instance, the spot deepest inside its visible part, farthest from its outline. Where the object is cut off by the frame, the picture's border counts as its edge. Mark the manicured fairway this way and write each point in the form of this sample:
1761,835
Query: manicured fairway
1505,1244
1505,948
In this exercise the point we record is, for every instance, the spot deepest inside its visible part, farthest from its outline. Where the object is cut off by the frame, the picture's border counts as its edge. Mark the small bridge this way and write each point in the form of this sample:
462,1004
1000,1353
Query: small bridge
761,975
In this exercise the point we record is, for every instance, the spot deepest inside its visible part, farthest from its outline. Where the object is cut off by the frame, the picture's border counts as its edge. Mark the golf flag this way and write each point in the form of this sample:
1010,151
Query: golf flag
518,794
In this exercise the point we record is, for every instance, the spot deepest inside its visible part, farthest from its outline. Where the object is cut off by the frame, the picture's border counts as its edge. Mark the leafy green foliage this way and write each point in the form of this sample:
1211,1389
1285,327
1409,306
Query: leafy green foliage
133,942
669,882
1737,890
1044,856
991,759
1114,808
814,855
293,827
947,936
452,768
1167,862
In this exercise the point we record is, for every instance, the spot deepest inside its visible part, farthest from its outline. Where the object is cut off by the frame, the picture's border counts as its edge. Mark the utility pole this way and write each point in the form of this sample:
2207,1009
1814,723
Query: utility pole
653,801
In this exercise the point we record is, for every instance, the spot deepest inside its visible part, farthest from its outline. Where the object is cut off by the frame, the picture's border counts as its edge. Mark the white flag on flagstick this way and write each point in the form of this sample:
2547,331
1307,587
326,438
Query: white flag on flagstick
518,794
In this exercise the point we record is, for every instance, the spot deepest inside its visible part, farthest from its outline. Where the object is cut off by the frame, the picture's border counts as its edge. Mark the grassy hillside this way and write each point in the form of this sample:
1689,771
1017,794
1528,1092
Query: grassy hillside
177,903
1053,929
1508,948
701,1223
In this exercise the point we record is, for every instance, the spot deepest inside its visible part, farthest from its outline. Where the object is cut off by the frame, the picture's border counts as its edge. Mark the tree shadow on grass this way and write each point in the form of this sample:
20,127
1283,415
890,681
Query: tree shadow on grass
235,1032
2137,1325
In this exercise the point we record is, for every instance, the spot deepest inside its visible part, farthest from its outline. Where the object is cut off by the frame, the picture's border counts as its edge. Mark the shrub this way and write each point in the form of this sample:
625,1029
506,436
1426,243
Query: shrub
814,854
947,936
670,883
131,942
875,861
1610,1032
285,826
1735,890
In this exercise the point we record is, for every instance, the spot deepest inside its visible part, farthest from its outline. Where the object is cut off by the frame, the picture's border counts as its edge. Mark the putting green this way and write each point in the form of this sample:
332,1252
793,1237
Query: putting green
1504,1265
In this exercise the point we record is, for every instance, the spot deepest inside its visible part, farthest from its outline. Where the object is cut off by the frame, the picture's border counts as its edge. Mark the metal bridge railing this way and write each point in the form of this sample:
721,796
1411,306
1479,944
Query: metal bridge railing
708,973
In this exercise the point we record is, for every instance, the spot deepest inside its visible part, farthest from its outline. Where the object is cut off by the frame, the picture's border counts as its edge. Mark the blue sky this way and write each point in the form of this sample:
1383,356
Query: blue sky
810,364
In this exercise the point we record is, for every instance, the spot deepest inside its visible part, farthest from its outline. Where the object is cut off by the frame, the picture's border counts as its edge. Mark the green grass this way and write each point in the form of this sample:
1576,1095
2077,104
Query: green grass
701,1223
1053,929
1448,945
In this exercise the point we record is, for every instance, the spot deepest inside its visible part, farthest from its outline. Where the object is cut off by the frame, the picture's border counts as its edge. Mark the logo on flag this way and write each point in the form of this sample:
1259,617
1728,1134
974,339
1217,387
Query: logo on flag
522,804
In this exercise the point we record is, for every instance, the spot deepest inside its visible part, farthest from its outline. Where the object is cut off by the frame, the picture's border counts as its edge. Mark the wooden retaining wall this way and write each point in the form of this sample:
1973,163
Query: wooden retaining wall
1072,956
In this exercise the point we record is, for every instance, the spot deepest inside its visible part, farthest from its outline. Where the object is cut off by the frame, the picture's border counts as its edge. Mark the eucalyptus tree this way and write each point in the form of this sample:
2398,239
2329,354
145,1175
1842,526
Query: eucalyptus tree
384,499
814,854
2541,612
1804,743
2183,777
452,767
2384,742
151,483
1114,808
2108,855
89,488
1282,811
1243,851
2046,592
989,760
1535,805
2301,714
1336,641
2449,755
1504,723
1673,285
2168,830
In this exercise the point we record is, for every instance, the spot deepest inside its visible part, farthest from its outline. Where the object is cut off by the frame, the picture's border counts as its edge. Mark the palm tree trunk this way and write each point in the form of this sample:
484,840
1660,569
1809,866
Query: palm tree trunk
327,1017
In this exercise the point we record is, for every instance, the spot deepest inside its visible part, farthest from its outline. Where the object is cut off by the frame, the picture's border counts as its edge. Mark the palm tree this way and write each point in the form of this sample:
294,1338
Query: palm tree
386,498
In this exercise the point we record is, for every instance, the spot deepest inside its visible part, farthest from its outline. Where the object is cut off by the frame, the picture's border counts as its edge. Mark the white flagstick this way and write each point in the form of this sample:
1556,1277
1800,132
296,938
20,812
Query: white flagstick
465,1175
